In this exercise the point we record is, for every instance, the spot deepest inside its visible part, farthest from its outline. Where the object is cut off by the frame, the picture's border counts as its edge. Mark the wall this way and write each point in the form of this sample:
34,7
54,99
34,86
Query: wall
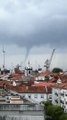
21,112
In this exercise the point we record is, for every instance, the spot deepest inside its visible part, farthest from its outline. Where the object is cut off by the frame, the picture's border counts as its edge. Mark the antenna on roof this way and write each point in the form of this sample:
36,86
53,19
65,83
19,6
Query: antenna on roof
3,58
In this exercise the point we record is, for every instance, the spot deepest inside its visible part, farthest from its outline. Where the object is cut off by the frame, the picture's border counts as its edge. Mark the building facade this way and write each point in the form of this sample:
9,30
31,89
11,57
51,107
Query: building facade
59,96
21,112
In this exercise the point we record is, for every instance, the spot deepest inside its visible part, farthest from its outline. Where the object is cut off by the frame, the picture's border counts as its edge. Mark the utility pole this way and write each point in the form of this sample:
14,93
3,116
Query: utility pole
3,58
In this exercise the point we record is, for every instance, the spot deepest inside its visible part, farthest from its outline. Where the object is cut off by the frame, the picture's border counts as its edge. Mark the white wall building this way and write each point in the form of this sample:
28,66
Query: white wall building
35,97
59,96
26,111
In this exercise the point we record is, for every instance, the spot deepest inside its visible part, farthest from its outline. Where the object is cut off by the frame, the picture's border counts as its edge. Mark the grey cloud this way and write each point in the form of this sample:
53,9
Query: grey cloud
31,23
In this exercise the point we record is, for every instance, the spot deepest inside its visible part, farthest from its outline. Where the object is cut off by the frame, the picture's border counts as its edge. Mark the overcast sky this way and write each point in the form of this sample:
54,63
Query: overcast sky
32,28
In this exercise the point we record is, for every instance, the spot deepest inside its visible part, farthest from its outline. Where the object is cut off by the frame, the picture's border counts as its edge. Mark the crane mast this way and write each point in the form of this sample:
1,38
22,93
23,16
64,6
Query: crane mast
52,56
48,61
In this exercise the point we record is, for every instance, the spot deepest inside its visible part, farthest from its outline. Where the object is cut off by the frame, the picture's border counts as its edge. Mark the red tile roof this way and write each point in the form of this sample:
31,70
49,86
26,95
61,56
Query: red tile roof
1,84
16,76
44,73
35,88
61,86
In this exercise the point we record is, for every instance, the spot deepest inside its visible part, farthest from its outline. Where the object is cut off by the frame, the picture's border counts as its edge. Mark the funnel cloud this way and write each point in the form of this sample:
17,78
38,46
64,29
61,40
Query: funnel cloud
35,26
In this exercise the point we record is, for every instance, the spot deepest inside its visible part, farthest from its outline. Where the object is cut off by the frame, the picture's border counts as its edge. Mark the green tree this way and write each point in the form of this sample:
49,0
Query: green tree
57,70
53,111
63,116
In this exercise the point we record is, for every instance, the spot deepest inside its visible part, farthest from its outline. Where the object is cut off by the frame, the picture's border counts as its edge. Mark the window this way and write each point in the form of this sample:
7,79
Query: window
62,94
50,98
56,94
66,94
62,101
42,95
56,101
29,96
35,96
23,96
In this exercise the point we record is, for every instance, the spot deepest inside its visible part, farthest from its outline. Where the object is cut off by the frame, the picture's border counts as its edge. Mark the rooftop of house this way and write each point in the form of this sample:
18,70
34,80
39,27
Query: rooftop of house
44,73
61,86
34,87
41,87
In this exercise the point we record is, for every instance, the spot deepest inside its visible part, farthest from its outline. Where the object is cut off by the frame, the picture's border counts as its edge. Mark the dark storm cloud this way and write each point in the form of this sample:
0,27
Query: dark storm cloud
31,23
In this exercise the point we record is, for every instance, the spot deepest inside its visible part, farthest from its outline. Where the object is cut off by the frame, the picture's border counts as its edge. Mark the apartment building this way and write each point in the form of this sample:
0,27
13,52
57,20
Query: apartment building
59,95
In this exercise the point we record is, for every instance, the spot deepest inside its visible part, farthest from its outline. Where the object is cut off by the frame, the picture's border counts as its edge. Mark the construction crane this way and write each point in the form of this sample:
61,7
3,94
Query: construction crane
48,61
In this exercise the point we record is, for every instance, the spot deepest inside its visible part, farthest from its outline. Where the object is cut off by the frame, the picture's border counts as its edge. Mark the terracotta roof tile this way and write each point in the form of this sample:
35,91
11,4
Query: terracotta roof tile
44,73
35,88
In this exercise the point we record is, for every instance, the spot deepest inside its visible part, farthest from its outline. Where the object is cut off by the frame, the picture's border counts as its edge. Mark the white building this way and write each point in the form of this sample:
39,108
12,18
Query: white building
59,95
25,111
37,97
37,92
